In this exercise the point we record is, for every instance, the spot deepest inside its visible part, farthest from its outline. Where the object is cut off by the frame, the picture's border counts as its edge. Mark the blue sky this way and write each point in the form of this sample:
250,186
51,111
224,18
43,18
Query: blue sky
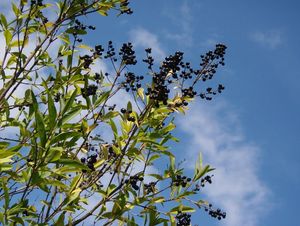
251,132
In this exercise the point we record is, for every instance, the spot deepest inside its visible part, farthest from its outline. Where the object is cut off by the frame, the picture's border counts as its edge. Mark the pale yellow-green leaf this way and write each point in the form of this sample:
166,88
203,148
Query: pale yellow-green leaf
140,92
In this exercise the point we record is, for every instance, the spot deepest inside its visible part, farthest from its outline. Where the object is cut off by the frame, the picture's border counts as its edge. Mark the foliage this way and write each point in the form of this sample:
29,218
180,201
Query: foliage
67,152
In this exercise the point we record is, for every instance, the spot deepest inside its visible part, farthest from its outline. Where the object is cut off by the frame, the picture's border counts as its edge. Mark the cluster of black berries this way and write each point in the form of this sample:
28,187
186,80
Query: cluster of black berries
25,213
210,92
91,159
217,54
112,107
98,77
159,92
127,113
187,71
80,28
206,179
124,7
132,81
38,2
133,180
220,52
172,63
183,219
211,60
57,97
189,92
220,88
150,188
124,3
128,54
181,181
98,50
124,111
87,61
197,187
111,152
149,60
215,213
110,53
89,91
179,104
39,15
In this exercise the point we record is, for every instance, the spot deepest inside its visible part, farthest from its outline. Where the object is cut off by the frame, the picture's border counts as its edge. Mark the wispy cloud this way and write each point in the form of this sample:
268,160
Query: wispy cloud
270,39
215,131
182,17
145,39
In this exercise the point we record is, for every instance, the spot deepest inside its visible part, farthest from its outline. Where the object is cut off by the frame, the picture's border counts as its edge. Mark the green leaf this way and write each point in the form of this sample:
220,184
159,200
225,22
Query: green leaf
40,126
183,209
64,136
201,172
74,195
75,182
70,115
168,128
6,194
39,181
6,155
72,163
70,102
114,128
3,21
102,98
158,199
154,157
57,183
61,220
102,12
84,47
156,176
15,9
110,115
140,92
39,121
8,37
54,154
77,31
52,111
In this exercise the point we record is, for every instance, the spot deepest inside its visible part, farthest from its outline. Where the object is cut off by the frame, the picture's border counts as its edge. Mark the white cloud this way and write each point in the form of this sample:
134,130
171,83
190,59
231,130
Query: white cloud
145,39
270,39
214,130
182,17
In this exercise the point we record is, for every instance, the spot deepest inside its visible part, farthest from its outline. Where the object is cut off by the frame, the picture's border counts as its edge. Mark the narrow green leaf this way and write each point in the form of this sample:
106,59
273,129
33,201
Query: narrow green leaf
8,37
6,194
52,111
140,92
15,9
54,154
158,200
3,21
70,102
39,121
61,220
64,136
72,163
102,98
183,209
70,115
